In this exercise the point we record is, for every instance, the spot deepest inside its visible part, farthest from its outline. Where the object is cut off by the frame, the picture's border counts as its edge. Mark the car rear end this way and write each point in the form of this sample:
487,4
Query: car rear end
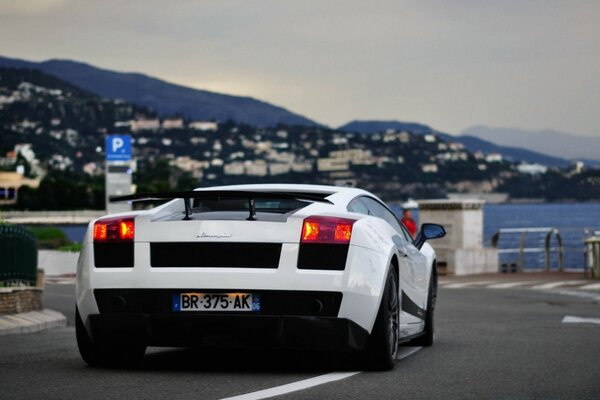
287,276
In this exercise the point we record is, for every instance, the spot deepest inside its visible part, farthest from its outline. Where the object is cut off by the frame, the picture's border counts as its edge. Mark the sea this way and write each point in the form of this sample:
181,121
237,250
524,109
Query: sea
574,222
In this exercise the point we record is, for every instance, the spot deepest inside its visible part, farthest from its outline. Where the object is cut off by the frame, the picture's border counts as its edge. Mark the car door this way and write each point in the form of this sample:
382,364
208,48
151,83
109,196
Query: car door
413,268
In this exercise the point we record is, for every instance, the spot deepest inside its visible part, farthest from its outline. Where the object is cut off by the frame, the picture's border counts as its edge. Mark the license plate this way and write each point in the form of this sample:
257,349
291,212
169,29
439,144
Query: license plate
192,301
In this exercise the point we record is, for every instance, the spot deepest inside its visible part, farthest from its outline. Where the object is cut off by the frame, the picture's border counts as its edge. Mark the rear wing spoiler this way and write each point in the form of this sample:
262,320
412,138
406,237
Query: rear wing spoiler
250,196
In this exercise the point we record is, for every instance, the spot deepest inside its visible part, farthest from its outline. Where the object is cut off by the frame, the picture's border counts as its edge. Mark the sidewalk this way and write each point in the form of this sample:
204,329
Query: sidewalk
32,321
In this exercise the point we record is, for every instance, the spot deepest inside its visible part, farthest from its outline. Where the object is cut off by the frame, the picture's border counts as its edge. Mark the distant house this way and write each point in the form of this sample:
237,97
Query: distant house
493,157
332,164
256,168
172,123
430,138
532,169
279,168
354,156
234,168
204,125
429,168
145,125
10,183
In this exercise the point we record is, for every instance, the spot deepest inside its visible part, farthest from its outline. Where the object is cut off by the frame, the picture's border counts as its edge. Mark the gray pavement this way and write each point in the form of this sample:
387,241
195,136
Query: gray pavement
493,344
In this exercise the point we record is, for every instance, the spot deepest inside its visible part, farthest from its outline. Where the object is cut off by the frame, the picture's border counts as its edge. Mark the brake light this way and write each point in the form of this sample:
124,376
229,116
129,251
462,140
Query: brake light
327,230
114,230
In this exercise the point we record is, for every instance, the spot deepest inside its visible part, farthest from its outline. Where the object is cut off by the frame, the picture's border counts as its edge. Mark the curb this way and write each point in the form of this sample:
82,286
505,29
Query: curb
32,321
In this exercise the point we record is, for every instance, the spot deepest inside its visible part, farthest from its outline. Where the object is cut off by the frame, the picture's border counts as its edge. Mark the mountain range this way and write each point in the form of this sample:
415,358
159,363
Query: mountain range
547,141
545,147
166,98
472,143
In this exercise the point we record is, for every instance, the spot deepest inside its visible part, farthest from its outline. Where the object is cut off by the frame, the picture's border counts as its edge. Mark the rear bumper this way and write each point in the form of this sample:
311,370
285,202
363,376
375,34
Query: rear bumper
233,331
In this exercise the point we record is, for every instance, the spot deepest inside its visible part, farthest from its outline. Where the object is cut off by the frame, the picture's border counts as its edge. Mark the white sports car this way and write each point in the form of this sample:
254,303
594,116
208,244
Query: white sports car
292,266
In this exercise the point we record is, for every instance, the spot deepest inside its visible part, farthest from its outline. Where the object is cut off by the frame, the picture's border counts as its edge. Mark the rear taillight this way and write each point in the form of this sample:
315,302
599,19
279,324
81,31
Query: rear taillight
113,242
327,230
114,230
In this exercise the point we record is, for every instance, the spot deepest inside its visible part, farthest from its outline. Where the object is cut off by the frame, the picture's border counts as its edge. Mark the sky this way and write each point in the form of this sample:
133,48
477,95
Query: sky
449,64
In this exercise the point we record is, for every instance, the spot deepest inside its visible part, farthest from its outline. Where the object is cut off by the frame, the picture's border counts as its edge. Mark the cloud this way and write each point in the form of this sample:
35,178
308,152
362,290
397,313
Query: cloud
530,64
28,7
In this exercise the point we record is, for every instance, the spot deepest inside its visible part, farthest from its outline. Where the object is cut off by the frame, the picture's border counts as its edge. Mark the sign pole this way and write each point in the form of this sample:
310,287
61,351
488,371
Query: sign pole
118,171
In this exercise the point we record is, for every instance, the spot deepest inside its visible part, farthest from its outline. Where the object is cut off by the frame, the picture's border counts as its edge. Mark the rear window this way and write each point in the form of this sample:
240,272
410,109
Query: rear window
276,206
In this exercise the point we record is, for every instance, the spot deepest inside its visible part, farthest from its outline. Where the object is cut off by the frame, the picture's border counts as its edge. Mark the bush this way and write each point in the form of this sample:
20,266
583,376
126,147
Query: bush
49,237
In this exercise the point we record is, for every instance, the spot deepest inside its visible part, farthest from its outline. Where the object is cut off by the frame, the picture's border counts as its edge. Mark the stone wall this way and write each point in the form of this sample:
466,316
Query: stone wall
18,300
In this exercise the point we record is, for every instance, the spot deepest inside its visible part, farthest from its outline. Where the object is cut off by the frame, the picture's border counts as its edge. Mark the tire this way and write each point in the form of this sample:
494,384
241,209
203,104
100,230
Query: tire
382,347
426,339
97,355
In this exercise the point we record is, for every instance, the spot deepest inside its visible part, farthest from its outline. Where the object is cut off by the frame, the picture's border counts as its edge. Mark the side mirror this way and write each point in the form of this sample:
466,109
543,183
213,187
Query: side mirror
432,231
428,232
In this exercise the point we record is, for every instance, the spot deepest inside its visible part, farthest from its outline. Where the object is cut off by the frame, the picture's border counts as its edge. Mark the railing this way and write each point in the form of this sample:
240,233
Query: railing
18,256
541,248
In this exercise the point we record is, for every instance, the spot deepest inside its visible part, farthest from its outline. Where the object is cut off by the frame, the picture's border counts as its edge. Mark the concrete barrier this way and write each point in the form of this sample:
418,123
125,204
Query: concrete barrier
52,217
57,263
461,251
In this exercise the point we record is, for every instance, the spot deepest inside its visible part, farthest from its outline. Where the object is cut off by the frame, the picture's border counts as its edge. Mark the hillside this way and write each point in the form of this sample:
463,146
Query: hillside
372,126
547,141
164,97
65,127
56,131
472,143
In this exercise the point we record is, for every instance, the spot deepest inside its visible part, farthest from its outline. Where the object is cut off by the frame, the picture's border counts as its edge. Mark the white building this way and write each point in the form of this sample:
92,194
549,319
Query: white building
302,166
234,168
332,164
145,125
354,156
172,123
204,126
493,157
429,168
279,168
430,138
256,168
532,169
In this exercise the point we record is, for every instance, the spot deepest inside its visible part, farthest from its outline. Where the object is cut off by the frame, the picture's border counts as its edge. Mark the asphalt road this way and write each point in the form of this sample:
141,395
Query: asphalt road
491,344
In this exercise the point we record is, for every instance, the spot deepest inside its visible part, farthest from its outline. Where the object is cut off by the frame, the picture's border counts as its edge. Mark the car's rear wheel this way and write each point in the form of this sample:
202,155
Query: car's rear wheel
98,355
383,342
426,339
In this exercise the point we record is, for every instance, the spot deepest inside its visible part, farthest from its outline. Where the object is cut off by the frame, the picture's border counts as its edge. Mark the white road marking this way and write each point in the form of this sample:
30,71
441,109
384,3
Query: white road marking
579,293
460,285
553,285
569,319
508,285
592,286
311,382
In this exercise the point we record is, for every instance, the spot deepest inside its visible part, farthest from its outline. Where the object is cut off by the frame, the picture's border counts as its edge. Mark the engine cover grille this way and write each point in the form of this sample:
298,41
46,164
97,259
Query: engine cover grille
215,255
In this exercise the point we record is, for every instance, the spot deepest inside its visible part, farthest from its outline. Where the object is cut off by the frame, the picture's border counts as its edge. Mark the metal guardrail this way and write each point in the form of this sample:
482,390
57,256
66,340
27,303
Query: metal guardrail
18,256
547,249
543,248
592,245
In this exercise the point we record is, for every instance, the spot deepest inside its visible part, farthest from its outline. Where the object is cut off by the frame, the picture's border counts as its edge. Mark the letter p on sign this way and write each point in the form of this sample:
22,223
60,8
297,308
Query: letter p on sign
117,143
118,148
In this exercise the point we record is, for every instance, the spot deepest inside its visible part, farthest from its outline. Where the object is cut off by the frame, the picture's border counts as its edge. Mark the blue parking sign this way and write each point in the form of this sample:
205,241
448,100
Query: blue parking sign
118,148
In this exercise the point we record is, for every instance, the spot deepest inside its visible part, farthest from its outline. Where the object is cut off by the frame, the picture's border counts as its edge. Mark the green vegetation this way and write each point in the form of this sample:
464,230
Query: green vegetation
49,237
53,238
74,247
64,190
